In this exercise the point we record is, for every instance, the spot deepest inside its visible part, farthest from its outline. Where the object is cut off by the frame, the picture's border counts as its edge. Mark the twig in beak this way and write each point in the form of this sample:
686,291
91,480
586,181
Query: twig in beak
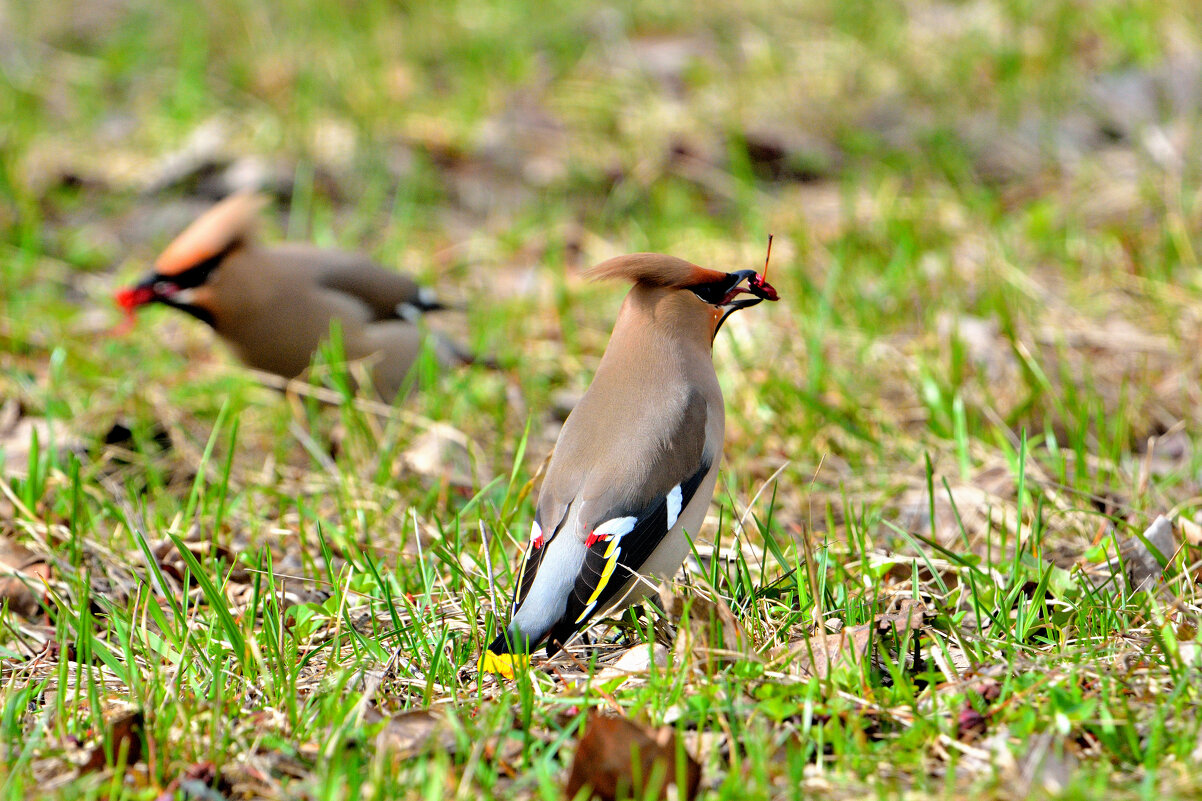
764,274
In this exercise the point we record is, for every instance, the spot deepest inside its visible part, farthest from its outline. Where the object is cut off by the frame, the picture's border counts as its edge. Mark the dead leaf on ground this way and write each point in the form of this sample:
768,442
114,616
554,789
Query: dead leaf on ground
781,152
985,344
712,625
125,733
1167,454
1045,763
619,759
664,58
172,563
636,660
970,507
525,139
970,724
411,733
1191,530
444,453
1143,563
199,781
22,573
1141,557
821,652
910,616
204,149
17,432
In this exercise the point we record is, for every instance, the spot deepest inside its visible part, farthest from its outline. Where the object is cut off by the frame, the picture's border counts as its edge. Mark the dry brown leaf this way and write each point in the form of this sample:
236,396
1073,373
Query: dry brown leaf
172,563
1143,567
971,725
819,653
16,439
444,453
1044,763
618,759
636,660
411,733
201,780
125,734
909,617
712,624
22,573
1191,531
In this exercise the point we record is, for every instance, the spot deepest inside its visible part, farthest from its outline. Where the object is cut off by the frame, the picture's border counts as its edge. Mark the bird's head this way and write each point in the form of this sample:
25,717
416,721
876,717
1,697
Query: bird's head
720,291
183,274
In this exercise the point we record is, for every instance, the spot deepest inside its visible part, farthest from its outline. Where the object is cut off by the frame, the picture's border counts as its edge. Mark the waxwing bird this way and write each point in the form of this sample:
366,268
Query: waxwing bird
274,305
636,462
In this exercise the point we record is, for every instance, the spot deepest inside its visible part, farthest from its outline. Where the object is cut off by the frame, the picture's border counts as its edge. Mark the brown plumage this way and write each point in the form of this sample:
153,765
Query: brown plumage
274,305
636,462
654,270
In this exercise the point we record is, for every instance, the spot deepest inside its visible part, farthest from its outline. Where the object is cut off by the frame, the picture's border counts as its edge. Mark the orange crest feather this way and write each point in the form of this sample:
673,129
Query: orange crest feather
212,233
654,269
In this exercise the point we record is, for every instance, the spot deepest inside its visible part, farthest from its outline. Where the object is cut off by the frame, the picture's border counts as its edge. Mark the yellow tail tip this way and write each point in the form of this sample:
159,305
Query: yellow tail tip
503,664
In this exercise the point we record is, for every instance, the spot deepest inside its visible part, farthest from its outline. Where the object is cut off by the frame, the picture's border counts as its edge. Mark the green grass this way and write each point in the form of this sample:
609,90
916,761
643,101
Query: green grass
980,387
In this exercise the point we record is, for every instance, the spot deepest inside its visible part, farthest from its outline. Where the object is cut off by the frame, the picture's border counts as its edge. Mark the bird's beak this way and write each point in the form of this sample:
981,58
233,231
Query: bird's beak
757,286
759,289
745,303
153,288
730,307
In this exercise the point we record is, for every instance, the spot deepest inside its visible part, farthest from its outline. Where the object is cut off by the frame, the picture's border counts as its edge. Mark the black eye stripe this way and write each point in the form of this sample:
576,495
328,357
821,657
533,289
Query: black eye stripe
195,275
714,292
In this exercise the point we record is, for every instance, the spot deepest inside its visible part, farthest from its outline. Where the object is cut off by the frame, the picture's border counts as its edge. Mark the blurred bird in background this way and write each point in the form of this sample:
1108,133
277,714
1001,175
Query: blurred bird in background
274,305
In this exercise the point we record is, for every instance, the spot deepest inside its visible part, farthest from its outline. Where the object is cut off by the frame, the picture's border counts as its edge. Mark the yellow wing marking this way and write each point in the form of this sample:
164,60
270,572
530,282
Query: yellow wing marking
611,555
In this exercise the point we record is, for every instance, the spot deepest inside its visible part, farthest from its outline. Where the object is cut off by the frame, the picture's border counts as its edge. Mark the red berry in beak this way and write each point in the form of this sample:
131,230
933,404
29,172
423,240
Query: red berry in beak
761,288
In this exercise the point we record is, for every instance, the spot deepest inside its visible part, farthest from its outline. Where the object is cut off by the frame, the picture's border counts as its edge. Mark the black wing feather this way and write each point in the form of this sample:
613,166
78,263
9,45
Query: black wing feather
532,558
649,530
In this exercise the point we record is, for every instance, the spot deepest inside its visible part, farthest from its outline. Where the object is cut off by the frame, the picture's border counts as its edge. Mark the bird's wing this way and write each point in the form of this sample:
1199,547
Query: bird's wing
617,550
388,294
532,557
623,517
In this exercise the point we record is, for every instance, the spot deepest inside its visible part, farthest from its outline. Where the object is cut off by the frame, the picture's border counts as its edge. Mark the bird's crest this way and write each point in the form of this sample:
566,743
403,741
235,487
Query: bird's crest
214,232
654,269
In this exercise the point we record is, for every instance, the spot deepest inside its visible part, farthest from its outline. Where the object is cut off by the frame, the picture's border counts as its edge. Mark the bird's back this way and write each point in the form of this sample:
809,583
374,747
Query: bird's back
382,290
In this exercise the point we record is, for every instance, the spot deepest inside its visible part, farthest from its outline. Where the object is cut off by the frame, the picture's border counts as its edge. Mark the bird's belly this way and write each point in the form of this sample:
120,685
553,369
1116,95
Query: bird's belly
284,356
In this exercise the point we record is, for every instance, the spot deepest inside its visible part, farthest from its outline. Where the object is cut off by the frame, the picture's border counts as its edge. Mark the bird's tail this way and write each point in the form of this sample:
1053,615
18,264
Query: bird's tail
500,658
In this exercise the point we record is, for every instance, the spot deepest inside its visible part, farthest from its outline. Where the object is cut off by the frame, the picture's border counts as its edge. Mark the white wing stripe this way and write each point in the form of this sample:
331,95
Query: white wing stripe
675,498
617,527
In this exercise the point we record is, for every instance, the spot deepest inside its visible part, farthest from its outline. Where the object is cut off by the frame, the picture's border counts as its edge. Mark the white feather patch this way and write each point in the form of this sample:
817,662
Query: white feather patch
536,531
427,296
409,312
617,527
675,497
